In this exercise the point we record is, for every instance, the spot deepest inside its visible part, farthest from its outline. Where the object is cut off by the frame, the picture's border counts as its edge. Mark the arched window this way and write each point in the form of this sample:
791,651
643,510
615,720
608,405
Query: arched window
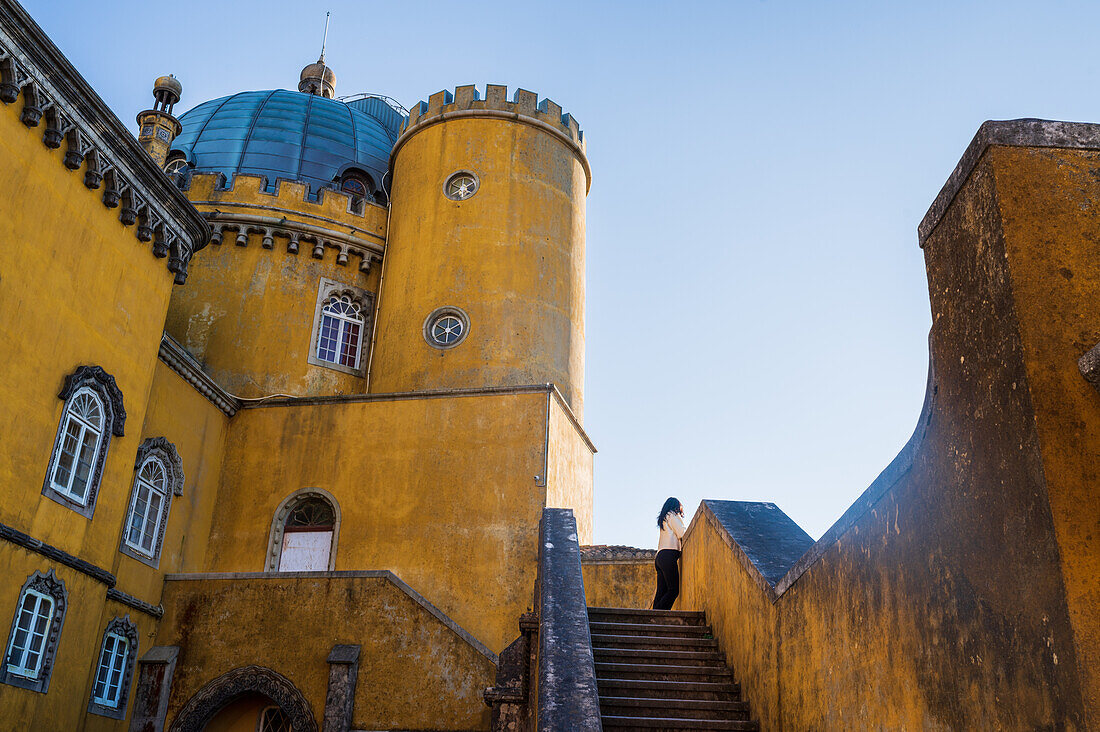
341,331
274,719
93,412
32,641
82,429
114,669
159,476
304,532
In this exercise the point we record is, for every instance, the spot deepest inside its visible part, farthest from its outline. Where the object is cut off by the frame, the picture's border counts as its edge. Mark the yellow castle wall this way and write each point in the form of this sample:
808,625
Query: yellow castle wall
198,430
1046,203
441,491
511,256
624,583
76,288
247,312
414,671
569,470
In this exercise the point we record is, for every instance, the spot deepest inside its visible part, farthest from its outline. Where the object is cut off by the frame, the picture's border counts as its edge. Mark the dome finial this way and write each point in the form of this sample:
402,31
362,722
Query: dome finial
318,78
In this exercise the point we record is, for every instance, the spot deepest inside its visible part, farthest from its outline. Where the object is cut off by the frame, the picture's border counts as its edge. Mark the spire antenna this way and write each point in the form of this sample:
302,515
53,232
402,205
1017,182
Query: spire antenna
325,39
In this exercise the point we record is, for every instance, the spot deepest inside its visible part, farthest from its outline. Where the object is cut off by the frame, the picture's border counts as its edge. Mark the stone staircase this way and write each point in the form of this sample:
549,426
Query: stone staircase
661,670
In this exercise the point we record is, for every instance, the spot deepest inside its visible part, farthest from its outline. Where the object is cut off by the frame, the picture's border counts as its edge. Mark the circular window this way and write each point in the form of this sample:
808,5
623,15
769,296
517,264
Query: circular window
461,185
446,327
175,165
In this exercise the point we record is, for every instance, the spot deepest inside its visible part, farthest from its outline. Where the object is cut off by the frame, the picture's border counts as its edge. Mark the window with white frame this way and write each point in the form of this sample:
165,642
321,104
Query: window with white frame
341,331
93,412
159,476
340,323
32,641
28,644
150,497
82,429
114,669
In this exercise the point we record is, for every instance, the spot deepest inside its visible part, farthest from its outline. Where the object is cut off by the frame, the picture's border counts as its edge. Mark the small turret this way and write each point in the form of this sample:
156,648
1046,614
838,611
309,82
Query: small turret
157,128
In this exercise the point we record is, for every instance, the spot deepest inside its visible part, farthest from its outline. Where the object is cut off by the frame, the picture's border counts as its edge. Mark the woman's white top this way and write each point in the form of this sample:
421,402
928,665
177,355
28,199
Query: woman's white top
672,529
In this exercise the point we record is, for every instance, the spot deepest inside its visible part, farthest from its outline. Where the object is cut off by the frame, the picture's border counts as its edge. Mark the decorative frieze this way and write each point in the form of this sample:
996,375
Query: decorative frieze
55,94
239,227
183,363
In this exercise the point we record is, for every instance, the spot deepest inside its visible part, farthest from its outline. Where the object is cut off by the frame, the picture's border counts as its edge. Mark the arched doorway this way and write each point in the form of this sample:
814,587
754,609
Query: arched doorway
304,532
244,698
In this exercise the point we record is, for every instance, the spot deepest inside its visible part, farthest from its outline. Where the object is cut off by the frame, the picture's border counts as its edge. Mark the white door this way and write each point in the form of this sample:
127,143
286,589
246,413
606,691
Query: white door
305,551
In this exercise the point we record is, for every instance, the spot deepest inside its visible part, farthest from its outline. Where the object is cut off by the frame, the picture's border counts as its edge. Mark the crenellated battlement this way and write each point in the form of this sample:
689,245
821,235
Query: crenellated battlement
285,195
524,104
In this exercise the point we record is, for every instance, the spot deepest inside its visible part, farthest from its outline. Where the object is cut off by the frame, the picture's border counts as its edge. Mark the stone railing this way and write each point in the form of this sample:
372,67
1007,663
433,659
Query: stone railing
548,682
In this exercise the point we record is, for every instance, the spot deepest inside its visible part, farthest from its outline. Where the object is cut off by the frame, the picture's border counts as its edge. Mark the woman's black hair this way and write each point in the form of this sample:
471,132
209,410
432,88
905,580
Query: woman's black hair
671,505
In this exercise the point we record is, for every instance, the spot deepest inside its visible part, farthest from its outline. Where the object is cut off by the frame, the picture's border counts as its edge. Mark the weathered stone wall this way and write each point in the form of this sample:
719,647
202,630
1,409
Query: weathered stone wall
955,592
417,670
618,576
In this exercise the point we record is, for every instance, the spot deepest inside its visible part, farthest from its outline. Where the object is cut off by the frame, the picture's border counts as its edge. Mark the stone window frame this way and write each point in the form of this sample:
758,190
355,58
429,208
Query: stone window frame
103,385
446,310
46,583
121,626
326,288
278,522
165,453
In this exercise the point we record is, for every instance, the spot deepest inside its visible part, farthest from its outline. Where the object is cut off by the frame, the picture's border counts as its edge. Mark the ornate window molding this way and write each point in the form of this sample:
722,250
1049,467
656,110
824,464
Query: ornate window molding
159,476
335,327
93,412
446,327
35,630
211,698
114,669
284,511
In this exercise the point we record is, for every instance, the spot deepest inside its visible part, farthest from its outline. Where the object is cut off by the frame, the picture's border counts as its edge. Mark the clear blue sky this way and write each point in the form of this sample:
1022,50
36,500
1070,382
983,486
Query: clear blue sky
757,304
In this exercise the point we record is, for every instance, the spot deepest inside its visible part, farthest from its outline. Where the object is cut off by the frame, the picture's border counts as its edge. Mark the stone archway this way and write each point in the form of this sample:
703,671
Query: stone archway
215,695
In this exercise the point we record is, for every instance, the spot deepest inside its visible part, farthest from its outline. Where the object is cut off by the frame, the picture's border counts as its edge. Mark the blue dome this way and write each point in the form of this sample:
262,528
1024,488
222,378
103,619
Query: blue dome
288,134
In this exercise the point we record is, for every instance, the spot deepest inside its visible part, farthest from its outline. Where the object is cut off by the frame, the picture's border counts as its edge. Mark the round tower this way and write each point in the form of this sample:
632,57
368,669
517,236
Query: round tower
484,277
157,128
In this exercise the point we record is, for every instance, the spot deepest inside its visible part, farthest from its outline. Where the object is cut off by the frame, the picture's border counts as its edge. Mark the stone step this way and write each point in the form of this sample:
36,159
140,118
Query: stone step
604,640
717,691
657,617
656,723
672,657
652,629
662,672
629,706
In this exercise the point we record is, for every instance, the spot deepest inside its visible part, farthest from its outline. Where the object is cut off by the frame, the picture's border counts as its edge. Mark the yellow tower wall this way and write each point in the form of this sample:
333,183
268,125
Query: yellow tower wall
248,310
511,256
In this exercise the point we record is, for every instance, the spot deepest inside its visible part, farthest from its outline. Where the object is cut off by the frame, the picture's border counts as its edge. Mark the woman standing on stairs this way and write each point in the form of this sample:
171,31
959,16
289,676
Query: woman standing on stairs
671,523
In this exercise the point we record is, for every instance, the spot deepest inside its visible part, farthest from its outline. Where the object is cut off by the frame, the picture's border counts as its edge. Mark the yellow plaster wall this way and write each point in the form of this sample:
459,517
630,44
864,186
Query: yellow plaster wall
742,618
414,671
569,470
1044,195
440,491
247,313
63,706
627,583
76,288
511,256
198,430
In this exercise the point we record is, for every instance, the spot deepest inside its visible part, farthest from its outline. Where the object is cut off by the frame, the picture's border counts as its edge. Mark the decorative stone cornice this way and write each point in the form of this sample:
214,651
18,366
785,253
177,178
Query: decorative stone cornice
183,363
17,537
119,596
31,66
270,227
